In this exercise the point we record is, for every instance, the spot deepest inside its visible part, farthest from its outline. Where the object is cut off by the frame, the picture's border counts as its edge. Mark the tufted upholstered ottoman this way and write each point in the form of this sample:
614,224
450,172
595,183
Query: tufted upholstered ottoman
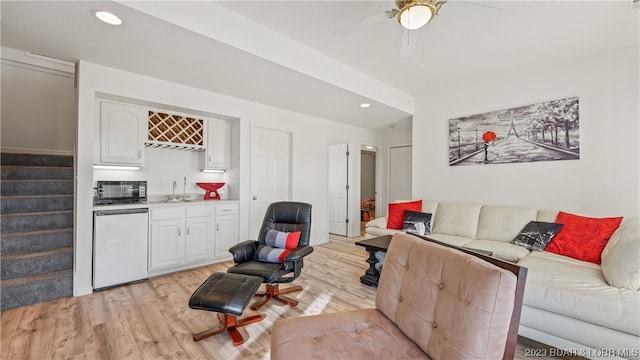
228,295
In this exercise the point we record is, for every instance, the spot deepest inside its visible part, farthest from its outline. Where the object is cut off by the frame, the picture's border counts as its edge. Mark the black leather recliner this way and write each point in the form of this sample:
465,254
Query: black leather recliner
286,216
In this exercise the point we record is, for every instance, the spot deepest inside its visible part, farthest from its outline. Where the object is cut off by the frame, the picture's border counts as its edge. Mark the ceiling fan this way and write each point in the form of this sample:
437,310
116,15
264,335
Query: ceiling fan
412,15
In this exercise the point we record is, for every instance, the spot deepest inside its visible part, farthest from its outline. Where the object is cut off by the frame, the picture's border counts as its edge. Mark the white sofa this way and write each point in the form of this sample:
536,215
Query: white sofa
575,306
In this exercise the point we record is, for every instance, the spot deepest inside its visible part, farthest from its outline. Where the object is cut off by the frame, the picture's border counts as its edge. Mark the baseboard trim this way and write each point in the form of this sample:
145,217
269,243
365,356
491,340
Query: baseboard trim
82,291
14,150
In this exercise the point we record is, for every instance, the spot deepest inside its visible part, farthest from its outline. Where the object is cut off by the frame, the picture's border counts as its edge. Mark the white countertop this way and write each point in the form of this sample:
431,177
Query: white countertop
162,203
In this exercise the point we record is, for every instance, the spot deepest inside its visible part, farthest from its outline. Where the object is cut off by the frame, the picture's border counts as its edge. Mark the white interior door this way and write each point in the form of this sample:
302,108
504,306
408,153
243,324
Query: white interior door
270,172
338,188
400,173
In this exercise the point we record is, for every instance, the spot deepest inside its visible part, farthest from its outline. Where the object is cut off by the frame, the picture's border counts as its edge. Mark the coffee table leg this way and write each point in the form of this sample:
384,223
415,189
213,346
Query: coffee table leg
372,275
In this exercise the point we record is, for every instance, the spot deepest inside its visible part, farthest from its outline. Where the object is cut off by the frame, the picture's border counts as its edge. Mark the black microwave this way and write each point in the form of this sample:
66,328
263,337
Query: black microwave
121,192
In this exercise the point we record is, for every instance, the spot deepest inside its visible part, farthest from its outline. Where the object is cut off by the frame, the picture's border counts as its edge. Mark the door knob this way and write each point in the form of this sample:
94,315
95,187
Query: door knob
255,197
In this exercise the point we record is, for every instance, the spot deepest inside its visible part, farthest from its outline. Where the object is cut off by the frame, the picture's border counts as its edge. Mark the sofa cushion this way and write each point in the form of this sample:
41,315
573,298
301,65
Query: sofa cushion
451,304
454,240
547,215
621,256
582,237
536,235
416,222
574,288
430,207
499,249
503,223
395,217
331,336
456,219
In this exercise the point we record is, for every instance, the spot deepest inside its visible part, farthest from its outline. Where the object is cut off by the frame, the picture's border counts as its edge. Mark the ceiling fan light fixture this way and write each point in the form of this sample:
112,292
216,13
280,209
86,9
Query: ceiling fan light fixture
414,14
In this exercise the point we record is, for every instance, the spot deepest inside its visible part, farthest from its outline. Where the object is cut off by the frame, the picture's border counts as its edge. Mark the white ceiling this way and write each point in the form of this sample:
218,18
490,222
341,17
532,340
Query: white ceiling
284,53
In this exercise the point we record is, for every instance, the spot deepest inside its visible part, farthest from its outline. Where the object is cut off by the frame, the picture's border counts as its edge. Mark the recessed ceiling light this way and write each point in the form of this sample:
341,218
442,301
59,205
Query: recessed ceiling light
365,105
108,17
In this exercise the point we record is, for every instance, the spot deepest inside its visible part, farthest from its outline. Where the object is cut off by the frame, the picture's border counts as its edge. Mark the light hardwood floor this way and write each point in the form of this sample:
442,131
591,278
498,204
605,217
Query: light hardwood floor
151,320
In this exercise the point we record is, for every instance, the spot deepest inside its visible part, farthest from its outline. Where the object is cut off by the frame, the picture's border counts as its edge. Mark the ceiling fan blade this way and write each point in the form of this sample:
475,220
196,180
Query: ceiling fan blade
483,5
473,10
409,42
366,22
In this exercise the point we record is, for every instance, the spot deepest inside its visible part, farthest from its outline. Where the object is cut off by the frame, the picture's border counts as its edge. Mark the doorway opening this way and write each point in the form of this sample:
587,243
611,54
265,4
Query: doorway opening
367,185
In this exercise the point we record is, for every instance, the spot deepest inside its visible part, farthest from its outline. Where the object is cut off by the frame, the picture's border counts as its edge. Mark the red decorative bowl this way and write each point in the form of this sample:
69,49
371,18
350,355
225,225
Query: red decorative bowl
211,190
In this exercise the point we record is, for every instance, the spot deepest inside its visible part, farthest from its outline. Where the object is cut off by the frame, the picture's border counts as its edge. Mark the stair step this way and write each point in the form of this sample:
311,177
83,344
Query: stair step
35,203
35,289
36,187
13,172
22,222
9,159
33,241
36,241
21,265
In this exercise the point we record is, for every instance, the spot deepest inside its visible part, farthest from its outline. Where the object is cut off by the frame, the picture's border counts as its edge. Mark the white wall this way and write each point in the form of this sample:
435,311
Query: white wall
399,135
309,147
603,182
164,166
38,105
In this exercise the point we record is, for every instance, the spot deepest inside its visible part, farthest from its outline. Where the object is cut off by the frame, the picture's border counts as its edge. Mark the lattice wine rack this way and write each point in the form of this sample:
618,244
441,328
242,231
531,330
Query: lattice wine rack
175,131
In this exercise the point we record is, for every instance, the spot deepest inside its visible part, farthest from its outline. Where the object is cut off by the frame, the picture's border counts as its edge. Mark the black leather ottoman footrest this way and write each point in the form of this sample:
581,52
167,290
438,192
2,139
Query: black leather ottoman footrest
228,295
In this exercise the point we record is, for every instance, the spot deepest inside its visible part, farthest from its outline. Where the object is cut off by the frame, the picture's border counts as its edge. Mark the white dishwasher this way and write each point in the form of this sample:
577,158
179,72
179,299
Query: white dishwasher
120,242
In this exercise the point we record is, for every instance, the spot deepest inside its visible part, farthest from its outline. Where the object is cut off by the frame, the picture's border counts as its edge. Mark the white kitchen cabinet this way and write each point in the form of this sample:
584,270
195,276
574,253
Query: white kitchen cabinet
165,244
123,130
226,234
199,237
217,154
198,240
226,228
183,236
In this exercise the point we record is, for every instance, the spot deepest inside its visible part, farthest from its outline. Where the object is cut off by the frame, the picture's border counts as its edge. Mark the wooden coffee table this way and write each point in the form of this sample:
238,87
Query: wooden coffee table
373,245
381,243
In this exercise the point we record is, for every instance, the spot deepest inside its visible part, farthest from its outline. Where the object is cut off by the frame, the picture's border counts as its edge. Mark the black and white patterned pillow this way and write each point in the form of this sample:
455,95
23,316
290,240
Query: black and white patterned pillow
537,234
417,222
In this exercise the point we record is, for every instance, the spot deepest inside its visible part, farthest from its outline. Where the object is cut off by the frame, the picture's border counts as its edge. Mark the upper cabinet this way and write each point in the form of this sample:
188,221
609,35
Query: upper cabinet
123,130
217,154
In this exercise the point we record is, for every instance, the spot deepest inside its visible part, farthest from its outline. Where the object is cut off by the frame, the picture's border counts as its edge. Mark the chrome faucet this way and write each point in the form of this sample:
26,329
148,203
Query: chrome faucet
184,189
175,185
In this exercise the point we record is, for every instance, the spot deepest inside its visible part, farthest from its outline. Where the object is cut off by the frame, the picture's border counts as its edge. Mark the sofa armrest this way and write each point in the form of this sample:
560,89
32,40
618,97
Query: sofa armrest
380,222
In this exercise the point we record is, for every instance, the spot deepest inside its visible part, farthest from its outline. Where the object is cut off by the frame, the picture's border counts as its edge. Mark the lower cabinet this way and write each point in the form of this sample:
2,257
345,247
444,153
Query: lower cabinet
166,244
198,239
185,236
226,234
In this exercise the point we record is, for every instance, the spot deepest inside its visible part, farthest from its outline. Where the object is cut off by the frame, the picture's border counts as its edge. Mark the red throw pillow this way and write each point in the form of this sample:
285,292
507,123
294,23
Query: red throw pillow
396,213
581,237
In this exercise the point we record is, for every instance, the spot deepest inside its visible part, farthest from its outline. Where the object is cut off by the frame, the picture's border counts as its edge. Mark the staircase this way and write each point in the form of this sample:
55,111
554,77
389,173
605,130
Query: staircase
36,245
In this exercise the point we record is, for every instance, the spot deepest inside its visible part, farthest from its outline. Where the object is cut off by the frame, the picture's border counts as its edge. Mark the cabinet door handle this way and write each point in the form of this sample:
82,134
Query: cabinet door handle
179,230
217,227
188,230
139,154
209,158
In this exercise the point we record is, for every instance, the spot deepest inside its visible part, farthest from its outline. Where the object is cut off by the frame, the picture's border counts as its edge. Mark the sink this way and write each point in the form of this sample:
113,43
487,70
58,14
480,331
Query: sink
178,200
